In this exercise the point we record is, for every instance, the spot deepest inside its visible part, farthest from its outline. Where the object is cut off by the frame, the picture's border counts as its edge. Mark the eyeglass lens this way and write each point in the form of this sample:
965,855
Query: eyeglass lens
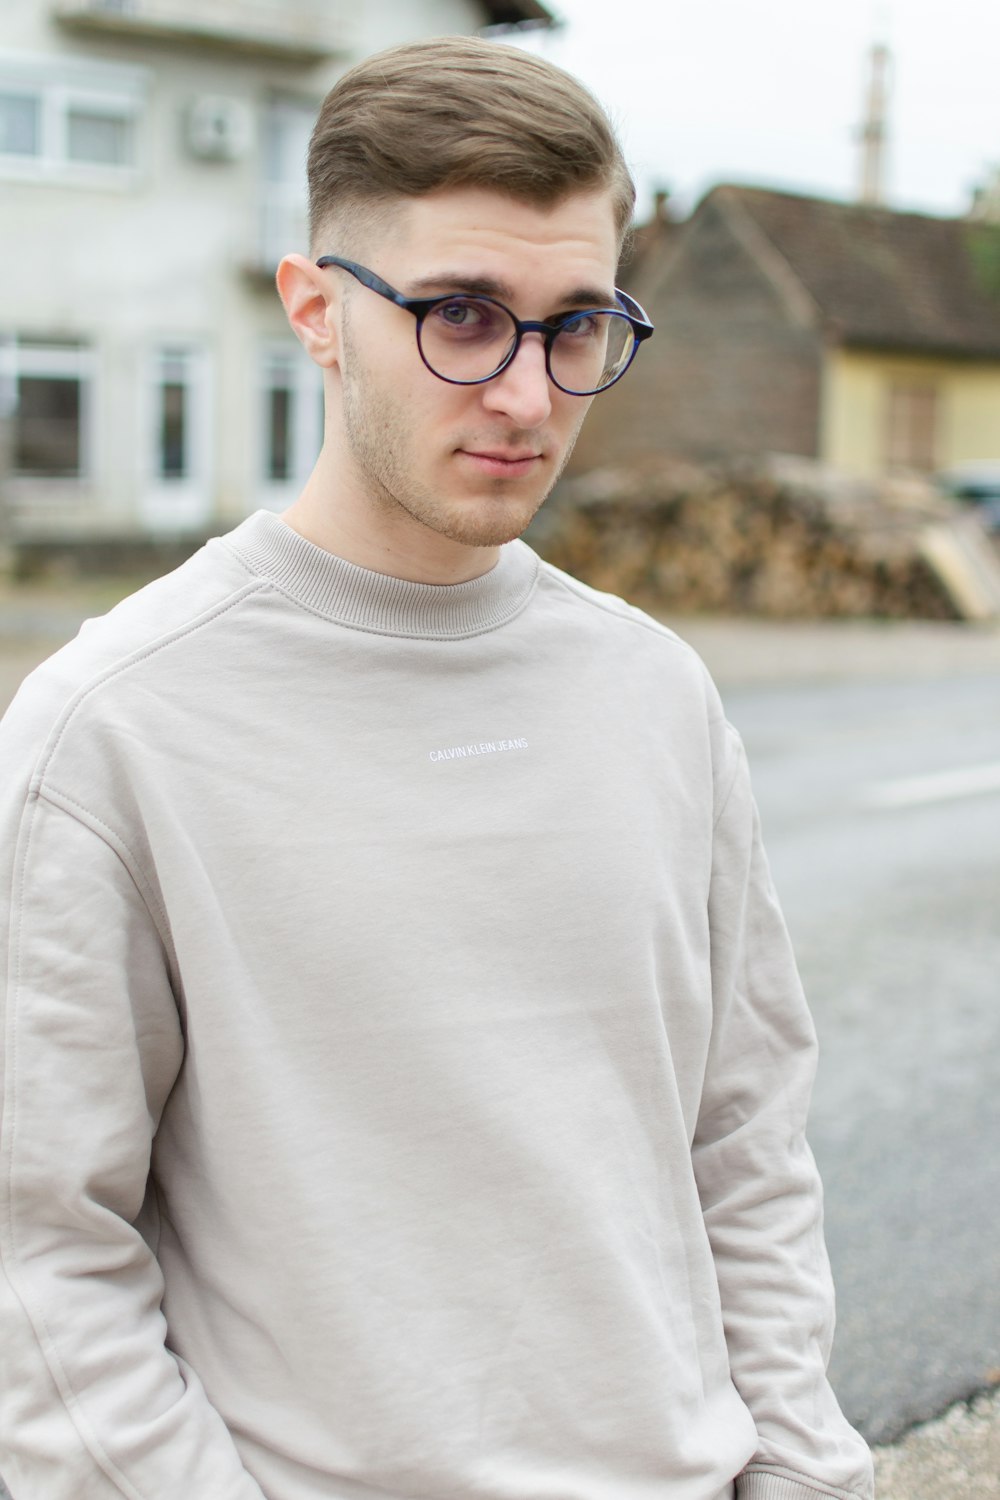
467,339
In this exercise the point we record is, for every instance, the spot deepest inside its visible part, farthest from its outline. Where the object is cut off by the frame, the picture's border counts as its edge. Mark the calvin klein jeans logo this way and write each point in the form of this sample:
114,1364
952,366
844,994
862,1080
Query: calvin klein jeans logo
484,747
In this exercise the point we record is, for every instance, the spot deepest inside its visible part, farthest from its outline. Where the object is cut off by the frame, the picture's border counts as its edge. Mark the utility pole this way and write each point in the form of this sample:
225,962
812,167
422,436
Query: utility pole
873,132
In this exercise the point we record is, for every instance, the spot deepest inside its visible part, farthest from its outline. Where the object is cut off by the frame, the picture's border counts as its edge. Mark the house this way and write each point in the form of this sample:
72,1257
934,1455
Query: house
151,176
863,337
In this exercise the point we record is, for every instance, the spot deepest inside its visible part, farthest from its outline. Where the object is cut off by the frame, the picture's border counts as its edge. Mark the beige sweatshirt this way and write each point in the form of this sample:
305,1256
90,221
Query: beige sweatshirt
405,1064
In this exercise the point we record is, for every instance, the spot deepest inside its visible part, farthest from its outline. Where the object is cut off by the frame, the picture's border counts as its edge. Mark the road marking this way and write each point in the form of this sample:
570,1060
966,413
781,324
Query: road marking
940,786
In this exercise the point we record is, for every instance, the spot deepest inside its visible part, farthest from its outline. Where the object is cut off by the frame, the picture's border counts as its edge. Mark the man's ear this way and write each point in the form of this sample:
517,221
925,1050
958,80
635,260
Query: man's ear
310,297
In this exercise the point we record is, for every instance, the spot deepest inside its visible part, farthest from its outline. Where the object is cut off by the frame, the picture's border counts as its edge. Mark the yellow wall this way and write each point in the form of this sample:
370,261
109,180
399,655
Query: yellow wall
855,408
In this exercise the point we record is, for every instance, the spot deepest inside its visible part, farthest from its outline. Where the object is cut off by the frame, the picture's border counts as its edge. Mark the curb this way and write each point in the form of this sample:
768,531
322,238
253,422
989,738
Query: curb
954,1457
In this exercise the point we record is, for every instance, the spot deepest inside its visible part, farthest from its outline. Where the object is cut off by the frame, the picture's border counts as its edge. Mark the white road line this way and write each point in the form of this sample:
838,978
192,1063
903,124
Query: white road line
941,786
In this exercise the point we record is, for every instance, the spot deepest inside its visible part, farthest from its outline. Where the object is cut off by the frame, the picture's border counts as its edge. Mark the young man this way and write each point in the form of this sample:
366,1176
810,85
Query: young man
406,1064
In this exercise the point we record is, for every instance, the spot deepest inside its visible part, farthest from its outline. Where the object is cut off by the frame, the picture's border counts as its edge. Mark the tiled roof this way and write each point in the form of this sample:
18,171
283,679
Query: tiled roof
884,279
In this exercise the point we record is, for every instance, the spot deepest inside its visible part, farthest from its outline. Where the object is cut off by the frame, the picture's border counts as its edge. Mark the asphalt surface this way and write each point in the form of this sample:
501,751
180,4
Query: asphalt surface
892,910
892,907
875,751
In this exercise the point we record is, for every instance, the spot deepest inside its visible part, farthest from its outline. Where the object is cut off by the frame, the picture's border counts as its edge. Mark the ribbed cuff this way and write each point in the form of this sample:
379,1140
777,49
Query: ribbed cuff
760,1484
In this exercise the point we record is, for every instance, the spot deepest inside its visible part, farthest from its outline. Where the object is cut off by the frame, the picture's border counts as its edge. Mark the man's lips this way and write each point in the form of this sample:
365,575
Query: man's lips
502,461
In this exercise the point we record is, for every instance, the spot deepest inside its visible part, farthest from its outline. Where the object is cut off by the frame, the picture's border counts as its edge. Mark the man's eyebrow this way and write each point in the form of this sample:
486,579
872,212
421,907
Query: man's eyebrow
589,296
461,281
488,286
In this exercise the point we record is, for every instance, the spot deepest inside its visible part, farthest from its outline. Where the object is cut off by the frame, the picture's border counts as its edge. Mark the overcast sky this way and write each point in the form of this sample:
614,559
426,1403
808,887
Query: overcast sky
772,91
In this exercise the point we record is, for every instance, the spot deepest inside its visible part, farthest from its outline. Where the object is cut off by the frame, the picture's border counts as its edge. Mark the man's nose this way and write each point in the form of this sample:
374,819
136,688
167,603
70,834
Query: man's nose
523,391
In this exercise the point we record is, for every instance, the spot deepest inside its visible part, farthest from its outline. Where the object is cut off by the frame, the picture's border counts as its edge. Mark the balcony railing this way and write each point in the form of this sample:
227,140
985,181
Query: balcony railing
292,30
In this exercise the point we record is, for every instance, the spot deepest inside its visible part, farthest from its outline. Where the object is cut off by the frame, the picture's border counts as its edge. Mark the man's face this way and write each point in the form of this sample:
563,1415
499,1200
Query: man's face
472,463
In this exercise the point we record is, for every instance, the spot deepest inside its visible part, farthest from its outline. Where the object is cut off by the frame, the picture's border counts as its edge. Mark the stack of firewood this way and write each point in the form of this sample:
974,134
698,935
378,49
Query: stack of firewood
779,538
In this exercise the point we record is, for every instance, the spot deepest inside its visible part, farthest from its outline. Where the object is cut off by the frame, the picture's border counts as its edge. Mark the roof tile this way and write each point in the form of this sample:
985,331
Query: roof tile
885,279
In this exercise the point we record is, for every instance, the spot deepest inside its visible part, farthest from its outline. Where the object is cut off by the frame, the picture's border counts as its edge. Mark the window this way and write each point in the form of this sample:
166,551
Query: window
50,399
279,433
20,124
176,420
912,427
47,440
101,136
174,428
292,421
65,120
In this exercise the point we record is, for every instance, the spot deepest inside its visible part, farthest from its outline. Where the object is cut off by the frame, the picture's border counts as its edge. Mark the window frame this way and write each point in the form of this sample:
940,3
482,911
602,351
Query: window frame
23,356
62,86
285,366
177,502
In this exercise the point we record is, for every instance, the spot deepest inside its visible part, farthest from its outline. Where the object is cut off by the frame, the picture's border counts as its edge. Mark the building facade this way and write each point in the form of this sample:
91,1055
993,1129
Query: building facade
151,176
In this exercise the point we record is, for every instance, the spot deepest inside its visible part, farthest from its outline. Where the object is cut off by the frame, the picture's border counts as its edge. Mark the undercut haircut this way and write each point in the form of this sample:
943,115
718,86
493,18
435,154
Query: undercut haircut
459,112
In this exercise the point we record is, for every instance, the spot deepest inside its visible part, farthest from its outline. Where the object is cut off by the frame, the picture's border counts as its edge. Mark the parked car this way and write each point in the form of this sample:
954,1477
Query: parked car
979,485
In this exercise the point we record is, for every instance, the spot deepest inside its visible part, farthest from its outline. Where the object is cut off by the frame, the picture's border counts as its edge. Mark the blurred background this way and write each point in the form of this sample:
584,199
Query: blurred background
801,474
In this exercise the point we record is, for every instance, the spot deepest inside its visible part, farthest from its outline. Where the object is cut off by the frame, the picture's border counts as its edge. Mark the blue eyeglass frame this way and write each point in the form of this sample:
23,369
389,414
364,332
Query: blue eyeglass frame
642,328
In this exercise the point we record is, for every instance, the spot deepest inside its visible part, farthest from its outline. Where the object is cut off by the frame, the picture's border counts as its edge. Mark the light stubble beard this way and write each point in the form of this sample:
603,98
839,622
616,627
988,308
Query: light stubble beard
379,443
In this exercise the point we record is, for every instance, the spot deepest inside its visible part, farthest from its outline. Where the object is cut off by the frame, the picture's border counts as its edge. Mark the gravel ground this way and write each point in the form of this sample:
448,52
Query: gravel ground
955,1457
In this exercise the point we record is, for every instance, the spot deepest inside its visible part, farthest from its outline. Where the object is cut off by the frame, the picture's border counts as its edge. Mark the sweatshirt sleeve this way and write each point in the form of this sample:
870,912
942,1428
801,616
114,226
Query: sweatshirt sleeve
93,1404
760,1191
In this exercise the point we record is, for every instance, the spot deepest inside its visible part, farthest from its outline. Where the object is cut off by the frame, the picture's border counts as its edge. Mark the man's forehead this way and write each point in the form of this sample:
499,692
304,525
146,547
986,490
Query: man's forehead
479,241
481,212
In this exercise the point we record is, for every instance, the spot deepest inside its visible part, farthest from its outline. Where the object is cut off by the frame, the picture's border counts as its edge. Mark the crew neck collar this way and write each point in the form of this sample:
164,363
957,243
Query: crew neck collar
365,600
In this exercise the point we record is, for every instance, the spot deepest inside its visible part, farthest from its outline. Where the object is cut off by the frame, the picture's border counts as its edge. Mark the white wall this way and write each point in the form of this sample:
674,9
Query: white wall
162,256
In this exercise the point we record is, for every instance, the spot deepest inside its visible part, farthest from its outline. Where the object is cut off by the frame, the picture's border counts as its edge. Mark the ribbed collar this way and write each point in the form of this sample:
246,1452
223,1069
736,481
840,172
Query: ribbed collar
375,601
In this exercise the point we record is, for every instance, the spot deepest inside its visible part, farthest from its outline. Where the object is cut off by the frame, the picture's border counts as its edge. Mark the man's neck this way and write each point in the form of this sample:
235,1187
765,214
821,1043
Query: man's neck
330,515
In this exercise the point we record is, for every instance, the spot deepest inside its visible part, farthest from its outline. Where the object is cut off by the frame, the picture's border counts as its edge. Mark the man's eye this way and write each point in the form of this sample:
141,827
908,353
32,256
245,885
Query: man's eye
465,314
584,326
457,313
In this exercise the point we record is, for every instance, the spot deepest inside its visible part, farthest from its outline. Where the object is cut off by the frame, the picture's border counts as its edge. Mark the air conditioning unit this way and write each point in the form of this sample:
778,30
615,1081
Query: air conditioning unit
218,129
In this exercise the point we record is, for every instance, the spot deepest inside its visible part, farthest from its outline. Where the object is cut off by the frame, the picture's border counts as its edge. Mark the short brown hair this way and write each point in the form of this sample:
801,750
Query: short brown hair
460,112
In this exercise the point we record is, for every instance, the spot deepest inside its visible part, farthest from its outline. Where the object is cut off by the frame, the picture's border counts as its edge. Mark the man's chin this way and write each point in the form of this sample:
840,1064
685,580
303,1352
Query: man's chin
486,521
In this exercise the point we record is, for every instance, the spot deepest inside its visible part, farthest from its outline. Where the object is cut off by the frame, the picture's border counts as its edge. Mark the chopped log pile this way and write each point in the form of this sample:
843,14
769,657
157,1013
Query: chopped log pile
779,538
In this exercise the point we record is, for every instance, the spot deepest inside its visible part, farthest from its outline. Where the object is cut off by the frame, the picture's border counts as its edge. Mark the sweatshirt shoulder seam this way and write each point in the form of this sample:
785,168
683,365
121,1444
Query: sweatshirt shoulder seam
627,613
87,818
133,659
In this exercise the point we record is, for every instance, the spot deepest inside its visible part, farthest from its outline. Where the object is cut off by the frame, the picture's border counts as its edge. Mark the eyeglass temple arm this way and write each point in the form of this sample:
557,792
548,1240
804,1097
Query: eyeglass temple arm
641,325
367,278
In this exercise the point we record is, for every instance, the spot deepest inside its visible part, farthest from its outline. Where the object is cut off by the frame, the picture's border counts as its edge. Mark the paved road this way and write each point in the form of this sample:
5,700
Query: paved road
881,810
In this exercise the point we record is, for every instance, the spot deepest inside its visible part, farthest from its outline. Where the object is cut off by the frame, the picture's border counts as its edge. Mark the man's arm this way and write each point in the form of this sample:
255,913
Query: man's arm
760,1191
93,1405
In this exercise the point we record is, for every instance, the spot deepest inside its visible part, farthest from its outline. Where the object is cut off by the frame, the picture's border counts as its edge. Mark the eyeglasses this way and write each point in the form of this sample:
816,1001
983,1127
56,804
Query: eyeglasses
468,340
